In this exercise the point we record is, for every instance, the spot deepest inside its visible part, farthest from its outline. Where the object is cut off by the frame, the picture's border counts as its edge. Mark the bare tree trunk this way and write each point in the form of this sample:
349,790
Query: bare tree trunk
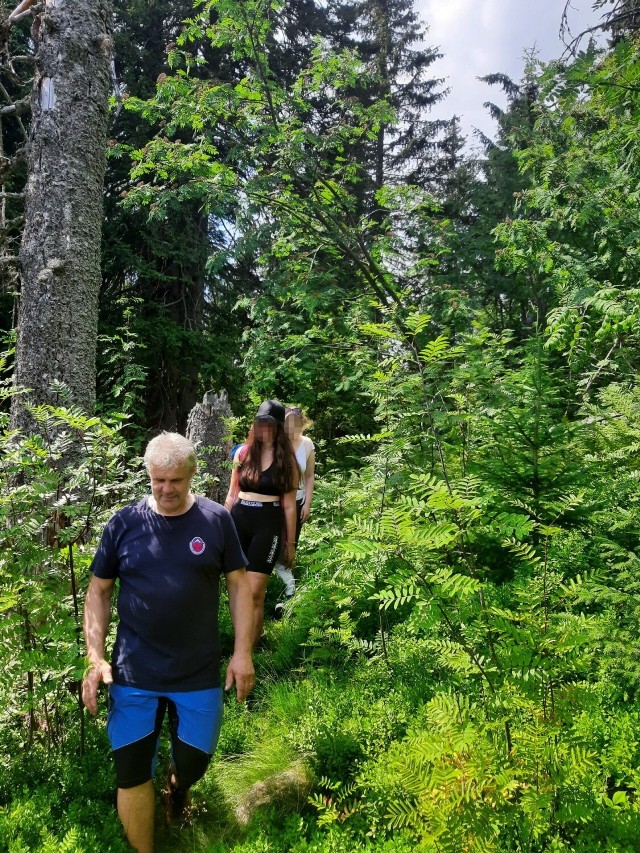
60,252
208,429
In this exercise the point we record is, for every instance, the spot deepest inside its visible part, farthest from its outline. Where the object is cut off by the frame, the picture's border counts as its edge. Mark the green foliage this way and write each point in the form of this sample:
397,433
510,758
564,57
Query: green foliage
460,533
58,488
578,235
171,308
121,370
612,446
60,800
458,669
284,158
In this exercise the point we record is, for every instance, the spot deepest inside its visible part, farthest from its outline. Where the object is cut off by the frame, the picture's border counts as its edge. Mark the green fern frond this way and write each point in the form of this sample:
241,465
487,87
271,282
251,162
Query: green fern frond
513,525
453,656
432,537
470,487
455,585
435,350
366,527
450,706
424,484
396,597
608,301
575,584
360,548
417,322
379,330
360,438
69,844
523,550
401,813
582,761
531,512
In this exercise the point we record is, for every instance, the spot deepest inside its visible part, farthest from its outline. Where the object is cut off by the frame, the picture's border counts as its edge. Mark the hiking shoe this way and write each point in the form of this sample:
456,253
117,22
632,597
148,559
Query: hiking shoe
177,801
278,612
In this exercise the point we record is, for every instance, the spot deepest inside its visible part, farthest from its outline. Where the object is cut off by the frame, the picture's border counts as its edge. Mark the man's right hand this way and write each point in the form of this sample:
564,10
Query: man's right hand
96,673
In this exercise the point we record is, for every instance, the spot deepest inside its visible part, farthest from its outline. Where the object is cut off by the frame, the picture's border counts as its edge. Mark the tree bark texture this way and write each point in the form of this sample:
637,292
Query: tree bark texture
60,251
208,430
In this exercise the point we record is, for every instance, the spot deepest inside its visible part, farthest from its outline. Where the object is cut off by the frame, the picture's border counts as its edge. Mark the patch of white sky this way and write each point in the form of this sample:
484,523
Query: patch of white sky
481,37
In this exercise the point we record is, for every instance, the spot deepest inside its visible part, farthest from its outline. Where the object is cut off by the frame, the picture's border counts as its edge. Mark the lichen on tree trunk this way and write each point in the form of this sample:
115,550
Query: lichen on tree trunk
60,251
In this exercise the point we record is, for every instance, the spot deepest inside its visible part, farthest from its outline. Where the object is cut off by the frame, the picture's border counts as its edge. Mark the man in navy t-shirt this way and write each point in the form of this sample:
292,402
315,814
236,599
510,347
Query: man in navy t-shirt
168,553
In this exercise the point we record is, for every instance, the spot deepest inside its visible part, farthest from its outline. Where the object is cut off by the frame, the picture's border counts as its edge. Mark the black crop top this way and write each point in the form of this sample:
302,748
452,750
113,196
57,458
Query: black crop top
264,485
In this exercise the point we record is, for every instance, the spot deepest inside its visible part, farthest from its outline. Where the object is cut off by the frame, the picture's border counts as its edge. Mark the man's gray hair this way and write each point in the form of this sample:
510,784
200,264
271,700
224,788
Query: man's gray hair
170,450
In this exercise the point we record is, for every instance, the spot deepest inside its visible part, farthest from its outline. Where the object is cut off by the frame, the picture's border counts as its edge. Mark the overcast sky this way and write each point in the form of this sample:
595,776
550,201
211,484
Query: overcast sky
479,37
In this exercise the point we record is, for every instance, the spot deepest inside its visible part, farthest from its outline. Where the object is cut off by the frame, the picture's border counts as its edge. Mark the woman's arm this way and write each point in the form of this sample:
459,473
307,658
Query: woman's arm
232,494
20,9
309,483
289,508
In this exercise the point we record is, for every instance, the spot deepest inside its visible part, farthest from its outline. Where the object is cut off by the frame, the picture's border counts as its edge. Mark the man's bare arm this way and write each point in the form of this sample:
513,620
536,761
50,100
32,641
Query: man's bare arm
240,669
97,613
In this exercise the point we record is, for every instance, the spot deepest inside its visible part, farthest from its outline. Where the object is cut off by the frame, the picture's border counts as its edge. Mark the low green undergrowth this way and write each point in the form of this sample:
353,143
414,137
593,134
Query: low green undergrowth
456,672
60,802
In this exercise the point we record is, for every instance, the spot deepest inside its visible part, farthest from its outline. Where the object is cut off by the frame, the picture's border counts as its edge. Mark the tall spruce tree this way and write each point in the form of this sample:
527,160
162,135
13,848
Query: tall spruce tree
391,38
158,267
60,251
180,268
512,302
16,72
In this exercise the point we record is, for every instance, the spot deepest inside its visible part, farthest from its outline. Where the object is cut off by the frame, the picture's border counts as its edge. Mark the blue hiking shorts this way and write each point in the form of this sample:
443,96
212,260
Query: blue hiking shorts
134,723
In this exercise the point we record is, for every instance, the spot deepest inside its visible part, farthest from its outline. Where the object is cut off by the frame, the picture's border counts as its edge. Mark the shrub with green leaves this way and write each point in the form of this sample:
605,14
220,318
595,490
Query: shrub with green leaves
461,535
58,489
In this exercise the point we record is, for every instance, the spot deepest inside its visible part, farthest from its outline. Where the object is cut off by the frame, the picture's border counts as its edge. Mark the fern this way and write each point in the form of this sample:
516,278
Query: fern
396,597
524,551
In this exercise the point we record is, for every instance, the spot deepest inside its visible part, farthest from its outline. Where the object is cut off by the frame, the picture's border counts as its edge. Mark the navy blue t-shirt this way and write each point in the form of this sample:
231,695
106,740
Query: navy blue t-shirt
169,569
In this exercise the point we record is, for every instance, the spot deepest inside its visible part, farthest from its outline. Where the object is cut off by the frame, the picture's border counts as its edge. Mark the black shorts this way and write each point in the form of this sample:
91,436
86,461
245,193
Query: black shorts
259,527
299,505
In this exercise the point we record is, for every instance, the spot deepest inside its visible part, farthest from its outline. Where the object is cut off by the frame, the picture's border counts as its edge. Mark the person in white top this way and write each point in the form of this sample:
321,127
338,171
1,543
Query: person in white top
295,424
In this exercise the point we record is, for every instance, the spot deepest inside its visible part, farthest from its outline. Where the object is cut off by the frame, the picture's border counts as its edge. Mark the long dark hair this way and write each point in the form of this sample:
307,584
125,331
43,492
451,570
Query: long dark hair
286,471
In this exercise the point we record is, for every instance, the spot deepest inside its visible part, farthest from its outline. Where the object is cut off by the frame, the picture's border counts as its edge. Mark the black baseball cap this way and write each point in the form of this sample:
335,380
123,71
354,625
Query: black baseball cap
271,410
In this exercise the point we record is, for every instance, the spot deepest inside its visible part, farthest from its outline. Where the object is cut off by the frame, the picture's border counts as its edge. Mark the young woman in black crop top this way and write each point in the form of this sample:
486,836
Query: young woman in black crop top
262,500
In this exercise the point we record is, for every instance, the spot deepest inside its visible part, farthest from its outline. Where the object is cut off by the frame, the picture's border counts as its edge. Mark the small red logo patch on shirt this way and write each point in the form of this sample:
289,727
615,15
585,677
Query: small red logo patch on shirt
197,545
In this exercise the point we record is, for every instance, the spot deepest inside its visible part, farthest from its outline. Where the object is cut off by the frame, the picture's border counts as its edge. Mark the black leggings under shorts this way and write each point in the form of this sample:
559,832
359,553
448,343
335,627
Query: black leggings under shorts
299,505
135,762
259,527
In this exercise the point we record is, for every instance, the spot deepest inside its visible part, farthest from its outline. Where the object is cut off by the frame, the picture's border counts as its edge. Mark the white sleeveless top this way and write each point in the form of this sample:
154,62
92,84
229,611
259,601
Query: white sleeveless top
302,455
